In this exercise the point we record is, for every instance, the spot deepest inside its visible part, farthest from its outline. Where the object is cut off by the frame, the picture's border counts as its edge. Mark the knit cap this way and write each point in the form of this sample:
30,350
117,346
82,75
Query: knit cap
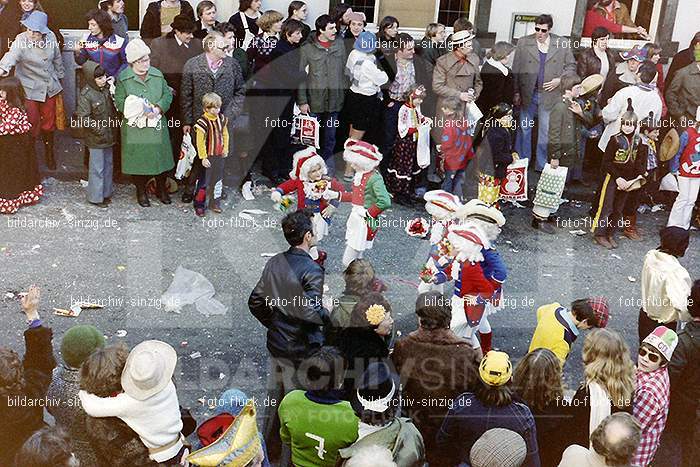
79,343
136,50
600,309
366,42
498,447
664,340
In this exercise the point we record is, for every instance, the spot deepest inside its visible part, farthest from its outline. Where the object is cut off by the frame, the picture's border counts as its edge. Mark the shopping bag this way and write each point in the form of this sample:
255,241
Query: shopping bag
550,187
306,130
187,155
423,147
489,189
473,115
514,185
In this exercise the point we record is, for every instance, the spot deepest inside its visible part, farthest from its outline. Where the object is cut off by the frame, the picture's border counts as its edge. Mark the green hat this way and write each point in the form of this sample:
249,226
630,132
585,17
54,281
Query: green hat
79,342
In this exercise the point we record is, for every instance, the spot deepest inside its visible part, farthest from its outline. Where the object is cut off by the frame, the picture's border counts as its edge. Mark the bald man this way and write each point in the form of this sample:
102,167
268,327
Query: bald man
614,443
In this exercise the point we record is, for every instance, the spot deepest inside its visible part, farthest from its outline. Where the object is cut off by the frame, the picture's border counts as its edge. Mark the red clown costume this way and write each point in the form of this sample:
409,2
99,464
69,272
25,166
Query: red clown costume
369,198
442,207
472,288
687,164
314,190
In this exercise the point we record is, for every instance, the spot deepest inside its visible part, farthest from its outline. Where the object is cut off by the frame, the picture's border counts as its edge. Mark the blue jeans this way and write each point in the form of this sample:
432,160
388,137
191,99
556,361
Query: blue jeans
454,179
523,137
100,175
328,122
576,172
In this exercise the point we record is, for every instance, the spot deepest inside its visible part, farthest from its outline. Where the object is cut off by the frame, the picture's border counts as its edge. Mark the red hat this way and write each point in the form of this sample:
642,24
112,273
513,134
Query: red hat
303,161
600,309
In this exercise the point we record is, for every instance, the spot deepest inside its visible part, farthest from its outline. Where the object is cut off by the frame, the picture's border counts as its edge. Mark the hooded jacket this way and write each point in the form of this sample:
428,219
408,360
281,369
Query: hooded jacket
95,114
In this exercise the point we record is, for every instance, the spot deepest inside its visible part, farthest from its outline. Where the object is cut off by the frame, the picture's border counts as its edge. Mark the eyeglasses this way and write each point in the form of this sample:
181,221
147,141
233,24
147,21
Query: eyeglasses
145,59
224,48
541,29
652,356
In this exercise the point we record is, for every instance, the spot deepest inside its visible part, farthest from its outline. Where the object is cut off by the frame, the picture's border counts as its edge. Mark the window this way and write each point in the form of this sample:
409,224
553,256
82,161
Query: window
645,13
450,10
363,6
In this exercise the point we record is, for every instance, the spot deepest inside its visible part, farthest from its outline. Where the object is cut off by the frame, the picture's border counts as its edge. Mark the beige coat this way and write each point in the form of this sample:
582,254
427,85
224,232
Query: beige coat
451,77
526,66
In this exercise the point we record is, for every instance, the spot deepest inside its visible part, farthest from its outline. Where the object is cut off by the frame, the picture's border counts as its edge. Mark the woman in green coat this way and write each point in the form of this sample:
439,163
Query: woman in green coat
146,150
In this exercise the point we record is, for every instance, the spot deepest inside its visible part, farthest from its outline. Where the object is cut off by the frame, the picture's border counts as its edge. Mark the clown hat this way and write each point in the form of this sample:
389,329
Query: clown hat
495,368
303,161
239,444
591,84
443,200
362,154
636,53
664,340
480,210
469,232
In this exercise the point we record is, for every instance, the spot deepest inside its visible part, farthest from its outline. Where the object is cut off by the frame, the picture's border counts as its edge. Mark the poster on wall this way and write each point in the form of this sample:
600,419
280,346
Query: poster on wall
522,25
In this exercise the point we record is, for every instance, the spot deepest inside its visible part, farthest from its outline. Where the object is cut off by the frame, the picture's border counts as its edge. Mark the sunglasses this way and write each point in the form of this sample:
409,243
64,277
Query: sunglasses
652,356
541,29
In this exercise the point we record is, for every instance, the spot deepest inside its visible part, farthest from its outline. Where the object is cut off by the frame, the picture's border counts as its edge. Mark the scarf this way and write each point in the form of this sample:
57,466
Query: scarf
498,65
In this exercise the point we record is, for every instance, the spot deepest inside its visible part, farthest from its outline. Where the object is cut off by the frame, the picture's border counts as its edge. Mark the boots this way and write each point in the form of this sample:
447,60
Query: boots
142,196
631,231
162,188
47,138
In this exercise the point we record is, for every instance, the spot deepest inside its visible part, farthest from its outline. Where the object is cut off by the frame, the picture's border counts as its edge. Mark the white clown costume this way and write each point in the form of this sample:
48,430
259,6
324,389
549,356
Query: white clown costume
442,207
369,198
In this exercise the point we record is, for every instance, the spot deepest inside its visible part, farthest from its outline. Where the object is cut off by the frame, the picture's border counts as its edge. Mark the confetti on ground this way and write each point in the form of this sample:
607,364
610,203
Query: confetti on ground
120,333
631,279
195,355
546,275
121,268
267,255
577,233
616,256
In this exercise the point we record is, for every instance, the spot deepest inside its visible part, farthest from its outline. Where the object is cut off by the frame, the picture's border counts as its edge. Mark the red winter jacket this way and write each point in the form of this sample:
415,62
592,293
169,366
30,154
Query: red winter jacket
456,145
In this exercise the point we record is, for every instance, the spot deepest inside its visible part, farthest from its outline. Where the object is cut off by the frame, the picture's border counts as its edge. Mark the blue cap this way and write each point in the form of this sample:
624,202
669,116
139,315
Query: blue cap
366,42
231,401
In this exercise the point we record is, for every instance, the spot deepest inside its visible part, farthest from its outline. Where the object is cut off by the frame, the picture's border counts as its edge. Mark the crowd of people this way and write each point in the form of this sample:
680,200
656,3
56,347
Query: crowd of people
440,121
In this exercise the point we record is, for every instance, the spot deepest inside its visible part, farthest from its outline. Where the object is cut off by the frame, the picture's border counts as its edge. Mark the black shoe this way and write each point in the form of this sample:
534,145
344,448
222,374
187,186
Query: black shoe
102,205
107,200
164,197
543,226
187,198
142,198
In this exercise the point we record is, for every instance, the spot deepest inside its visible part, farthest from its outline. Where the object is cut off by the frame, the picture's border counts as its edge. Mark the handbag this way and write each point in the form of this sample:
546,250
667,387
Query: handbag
550,187
60,112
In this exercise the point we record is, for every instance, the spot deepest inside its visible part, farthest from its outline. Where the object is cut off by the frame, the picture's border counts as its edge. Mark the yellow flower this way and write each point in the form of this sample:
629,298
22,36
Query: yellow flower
375,314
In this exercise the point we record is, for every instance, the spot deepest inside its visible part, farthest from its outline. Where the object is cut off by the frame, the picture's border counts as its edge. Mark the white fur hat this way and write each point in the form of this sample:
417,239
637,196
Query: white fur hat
443,200
303,161
136,50
362,154
481,210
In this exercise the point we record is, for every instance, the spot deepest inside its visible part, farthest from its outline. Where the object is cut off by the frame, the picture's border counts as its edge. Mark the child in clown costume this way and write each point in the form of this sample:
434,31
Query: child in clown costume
442,207
490,220
472,289
369,198
314,190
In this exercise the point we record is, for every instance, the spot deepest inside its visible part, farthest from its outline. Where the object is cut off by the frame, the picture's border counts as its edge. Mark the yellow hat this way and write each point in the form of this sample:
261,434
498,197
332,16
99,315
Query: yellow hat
495,368
239,444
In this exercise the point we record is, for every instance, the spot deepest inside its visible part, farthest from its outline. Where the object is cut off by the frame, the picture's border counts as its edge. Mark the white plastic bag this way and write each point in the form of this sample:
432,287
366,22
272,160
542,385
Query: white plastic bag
473,115
190,287
187,155
423,148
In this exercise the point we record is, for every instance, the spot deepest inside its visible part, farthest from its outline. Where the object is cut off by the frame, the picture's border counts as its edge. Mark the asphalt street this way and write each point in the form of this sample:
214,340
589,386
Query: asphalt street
126,257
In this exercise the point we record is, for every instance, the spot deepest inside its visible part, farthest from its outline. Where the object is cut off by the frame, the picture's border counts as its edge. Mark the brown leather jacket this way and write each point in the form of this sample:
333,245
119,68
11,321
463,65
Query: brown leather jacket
589,64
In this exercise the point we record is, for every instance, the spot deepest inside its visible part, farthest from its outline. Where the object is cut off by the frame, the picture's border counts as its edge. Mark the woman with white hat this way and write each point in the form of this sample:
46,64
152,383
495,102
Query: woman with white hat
146,151
149,403
36,57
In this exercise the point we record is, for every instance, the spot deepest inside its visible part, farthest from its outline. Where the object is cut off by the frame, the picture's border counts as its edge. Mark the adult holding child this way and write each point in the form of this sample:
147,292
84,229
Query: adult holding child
143,96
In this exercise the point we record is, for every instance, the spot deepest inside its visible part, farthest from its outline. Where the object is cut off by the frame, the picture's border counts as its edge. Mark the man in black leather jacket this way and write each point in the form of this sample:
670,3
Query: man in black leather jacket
287,301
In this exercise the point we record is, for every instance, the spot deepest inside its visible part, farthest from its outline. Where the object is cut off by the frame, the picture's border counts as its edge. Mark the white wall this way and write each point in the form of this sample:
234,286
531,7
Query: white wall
225,8
561,10
687,23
